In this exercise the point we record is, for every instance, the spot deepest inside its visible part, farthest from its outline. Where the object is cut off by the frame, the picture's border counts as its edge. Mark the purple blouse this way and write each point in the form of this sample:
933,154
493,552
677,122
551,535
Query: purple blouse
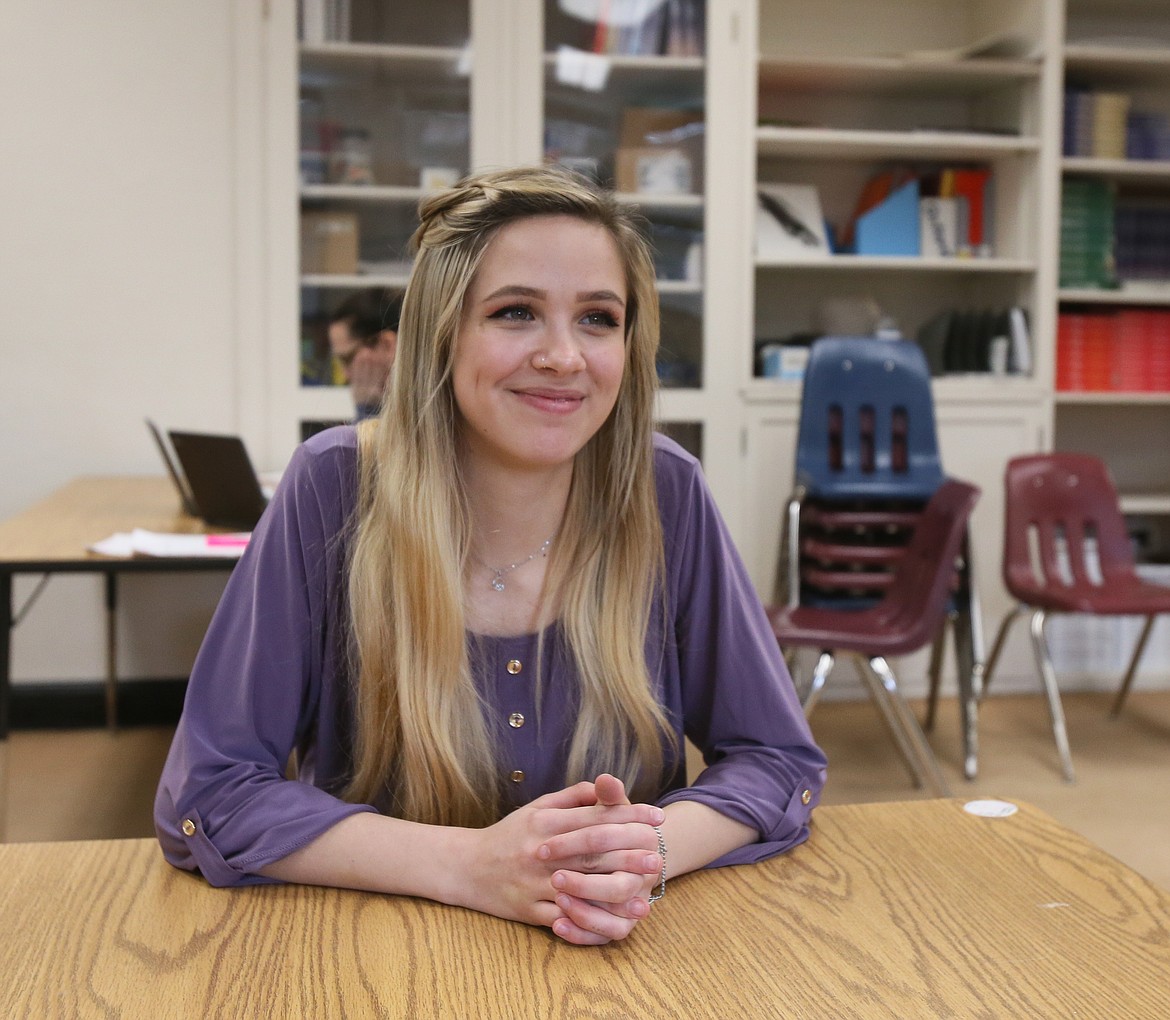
272,677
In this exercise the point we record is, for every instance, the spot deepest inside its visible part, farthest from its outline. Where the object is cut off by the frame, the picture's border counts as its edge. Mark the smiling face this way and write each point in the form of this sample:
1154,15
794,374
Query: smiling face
540,351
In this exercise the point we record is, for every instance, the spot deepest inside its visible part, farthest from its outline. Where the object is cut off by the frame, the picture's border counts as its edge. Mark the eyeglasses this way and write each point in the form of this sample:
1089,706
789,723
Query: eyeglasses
346,359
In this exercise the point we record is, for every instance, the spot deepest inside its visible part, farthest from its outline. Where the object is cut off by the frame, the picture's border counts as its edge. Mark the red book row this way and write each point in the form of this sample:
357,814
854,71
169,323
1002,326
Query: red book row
1114,350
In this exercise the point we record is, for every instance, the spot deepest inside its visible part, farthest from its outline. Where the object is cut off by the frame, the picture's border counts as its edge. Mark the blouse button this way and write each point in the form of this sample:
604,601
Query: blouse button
516,720
514,666
805,796
517,776
188,827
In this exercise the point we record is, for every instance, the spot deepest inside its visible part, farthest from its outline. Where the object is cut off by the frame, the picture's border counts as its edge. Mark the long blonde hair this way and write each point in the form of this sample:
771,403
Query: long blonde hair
421,740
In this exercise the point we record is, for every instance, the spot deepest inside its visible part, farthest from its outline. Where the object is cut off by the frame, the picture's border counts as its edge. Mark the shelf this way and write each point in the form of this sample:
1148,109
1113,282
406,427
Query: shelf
1134,294
357,281
1118,169
1108,397
892,76
620,64
389,194
1121,64
823,143
660,203
981,389
902,263
1145,503
691,287
346,54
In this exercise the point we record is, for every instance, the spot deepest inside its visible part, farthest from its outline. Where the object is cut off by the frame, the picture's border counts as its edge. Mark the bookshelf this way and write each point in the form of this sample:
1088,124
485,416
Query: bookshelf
1120,49
821,92
383,111
628,105
833,106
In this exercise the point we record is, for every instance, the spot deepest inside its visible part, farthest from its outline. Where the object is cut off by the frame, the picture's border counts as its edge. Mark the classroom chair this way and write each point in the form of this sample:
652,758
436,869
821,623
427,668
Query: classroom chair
907,617
1066,550
867,462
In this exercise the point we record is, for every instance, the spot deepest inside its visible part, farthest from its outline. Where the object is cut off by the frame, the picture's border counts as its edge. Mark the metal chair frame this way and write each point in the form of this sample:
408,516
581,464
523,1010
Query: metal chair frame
867,451
908,617
1066,549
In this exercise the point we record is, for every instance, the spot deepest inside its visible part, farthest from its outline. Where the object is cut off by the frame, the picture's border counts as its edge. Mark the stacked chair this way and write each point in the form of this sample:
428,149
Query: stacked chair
867,468
1066,550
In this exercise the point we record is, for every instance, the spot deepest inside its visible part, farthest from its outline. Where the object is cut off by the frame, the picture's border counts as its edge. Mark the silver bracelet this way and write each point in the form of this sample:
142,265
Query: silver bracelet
655,896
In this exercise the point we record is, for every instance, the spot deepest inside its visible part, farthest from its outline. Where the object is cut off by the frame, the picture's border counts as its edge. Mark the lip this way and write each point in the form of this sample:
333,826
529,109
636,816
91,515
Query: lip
554,401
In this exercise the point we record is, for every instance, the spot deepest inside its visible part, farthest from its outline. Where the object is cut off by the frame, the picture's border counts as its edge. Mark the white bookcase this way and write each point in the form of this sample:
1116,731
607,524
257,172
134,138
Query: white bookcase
1122,46
820,92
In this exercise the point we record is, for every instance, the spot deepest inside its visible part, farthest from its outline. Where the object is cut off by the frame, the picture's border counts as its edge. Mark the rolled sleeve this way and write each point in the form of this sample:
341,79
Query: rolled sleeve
735,699
268,679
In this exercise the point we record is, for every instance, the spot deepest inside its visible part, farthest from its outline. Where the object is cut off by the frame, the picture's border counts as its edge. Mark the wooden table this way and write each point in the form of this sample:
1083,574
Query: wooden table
54,536
891,910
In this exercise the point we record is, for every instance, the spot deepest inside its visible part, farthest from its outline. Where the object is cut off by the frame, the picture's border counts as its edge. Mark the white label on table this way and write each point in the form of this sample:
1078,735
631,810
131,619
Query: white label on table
990,808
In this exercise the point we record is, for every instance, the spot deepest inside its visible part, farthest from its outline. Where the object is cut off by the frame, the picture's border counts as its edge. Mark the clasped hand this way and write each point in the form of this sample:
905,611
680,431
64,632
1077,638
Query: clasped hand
581,861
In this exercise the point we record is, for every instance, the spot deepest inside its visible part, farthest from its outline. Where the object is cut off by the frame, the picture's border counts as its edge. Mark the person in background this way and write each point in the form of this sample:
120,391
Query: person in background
468,641
363,336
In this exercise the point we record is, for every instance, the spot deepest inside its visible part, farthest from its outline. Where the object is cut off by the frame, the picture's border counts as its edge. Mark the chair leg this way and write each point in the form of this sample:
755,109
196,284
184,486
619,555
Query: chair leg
967,668
821,673
792,553
973,608
879,697
997,647
1055,710
1115,711
934,671
912,735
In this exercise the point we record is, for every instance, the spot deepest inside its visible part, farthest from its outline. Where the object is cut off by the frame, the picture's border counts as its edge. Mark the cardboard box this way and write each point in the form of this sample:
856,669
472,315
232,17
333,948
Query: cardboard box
329,242
650,128
653,170
640,122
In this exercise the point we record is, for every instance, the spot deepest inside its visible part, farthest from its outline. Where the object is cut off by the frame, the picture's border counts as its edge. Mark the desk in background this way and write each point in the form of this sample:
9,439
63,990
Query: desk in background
53,536
901,911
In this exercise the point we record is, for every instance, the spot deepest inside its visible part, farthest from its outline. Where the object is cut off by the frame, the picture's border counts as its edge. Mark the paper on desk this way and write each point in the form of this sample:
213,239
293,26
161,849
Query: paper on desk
141,542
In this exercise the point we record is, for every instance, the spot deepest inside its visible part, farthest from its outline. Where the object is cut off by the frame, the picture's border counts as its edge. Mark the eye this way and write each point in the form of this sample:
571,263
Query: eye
601,320
513,313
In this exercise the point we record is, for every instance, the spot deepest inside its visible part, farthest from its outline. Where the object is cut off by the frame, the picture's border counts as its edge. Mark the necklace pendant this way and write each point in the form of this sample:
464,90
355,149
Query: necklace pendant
498,583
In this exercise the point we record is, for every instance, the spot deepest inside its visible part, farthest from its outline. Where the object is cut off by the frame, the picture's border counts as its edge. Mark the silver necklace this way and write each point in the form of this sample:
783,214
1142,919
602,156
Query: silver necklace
499,573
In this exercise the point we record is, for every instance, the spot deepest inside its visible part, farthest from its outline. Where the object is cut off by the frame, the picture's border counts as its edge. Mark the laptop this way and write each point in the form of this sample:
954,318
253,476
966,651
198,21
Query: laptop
213,476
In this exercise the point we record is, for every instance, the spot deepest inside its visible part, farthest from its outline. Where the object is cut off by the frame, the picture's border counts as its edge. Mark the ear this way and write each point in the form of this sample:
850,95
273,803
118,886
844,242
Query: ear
388,342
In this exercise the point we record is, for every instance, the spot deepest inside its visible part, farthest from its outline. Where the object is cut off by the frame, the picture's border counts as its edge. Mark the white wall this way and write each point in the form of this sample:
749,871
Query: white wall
118,253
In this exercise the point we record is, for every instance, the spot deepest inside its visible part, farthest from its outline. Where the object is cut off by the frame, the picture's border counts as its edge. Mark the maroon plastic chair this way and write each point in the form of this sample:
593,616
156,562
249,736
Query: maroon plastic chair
906,619
1066,550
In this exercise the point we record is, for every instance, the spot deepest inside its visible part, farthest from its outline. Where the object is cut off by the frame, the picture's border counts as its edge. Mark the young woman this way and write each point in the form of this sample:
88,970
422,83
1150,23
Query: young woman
464,647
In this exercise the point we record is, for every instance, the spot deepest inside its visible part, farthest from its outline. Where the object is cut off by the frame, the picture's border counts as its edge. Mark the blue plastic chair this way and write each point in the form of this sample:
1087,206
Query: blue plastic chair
867,463
867,426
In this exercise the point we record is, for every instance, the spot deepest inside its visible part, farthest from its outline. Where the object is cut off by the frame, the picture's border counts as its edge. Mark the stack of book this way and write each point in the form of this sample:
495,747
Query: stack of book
1086,234
1095,123
1082,351
1148,136
1113,350
1141,239
672,28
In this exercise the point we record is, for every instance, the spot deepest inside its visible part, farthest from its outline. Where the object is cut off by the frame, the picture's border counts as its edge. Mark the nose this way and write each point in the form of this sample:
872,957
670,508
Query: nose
559,351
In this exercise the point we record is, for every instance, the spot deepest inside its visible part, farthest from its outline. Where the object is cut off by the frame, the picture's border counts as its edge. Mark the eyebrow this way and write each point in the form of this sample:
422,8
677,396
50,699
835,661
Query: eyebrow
516,290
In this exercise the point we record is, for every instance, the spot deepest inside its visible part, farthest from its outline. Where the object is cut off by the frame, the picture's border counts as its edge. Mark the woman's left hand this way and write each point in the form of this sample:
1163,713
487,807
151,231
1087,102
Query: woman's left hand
605,873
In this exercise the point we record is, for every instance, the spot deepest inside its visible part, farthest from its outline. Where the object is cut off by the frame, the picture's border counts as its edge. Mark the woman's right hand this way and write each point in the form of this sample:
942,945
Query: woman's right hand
510,865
